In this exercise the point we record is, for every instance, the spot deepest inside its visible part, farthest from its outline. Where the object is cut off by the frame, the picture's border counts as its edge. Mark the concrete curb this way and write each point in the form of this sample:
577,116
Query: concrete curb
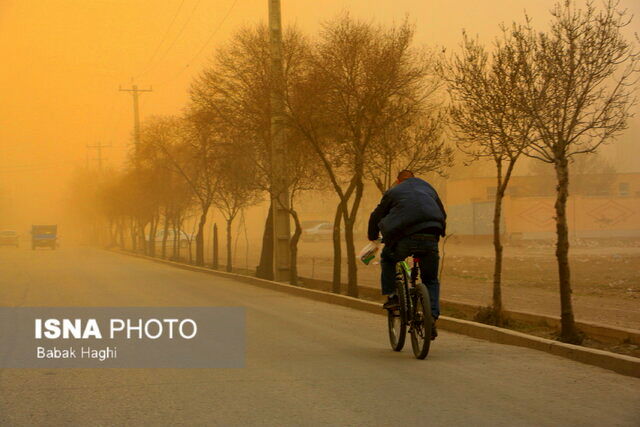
619,363
600,332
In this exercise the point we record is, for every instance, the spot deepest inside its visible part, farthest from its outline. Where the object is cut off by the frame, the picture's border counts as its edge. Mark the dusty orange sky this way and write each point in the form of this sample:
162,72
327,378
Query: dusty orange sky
63,61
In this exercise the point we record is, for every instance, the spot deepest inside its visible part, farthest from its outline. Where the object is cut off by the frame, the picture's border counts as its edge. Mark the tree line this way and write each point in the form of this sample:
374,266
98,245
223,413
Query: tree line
363,101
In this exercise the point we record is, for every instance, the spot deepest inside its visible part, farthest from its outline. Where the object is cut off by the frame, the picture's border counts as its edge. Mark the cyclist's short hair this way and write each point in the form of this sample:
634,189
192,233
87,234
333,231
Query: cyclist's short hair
404,174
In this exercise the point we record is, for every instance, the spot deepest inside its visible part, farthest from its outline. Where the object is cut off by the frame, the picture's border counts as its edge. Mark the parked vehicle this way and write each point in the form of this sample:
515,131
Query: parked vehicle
183,239
313,231
44,235
9,238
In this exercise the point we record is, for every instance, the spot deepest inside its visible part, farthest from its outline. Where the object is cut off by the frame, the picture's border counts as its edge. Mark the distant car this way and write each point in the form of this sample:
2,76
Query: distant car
183,239
9,238
44,235
313,231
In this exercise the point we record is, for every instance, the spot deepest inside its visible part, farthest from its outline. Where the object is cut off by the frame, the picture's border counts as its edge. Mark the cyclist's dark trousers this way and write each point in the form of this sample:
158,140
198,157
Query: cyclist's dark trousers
425,247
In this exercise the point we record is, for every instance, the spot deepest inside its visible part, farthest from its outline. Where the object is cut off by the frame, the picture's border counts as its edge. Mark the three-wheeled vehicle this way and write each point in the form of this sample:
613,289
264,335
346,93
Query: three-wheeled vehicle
44,235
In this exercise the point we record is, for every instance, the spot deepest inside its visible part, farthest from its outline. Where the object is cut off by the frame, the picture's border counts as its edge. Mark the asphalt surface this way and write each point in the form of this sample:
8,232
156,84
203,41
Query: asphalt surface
308,363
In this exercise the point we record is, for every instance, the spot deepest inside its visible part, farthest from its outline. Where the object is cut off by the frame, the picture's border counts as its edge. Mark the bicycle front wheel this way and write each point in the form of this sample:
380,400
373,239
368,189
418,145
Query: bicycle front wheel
397,318
421,321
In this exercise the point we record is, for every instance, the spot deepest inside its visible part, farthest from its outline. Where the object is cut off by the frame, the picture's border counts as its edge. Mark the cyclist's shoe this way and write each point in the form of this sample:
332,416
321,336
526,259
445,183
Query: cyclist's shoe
434,331
392,303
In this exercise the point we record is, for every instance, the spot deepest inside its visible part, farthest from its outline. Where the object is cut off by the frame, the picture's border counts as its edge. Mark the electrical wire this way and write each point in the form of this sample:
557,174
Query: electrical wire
164,37
203,46
175,39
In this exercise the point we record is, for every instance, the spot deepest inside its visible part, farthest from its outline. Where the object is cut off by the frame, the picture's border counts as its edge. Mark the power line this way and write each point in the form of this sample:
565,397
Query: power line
224,18
164,37
204,45
175,39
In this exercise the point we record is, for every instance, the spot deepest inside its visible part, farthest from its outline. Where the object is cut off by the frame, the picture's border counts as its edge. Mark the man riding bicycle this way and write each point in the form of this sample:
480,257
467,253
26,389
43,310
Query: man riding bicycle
411,218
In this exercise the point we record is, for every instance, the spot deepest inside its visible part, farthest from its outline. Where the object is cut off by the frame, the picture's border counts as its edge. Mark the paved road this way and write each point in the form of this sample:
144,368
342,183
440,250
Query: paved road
308,363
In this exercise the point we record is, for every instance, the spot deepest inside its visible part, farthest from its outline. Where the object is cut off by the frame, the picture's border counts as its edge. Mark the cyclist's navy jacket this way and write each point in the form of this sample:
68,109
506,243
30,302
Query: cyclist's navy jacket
411,207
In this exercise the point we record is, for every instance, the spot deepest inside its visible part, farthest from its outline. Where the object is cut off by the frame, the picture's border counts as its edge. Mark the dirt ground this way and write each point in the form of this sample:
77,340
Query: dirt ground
597,268
604,273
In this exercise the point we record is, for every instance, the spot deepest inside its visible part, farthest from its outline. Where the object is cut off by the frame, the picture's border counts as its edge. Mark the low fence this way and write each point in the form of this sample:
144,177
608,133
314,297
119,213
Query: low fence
534,217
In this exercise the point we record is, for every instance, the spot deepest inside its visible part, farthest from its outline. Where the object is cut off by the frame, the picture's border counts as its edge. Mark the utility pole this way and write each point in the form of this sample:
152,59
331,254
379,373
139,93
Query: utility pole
98,147
279,186
136,113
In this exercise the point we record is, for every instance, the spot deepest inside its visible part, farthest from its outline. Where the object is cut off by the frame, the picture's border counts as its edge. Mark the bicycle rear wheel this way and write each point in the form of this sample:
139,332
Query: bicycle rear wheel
397,319
421,321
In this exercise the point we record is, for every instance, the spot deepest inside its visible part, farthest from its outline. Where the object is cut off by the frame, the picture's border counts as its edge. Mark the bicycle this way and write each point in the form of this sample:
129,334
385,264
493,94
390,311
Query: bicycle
414,311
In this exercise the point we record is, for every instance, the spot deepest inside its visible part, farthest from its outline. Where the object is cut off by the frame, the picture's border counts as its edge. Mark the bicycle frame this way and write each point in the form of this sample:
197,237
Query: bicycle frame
405,266
412,272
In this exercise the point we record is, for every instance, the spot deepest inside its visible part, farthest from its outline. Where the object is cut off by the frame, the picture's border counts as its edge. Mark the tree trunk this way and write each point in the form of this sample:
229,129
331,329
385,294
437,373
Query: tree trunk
568,331
113,233
337,251
121,232
349,222
153,227
497,269
264,270
501,188
134,235
294,247
229,254
215,263
142,241
352,267
165,235
200,237
176,241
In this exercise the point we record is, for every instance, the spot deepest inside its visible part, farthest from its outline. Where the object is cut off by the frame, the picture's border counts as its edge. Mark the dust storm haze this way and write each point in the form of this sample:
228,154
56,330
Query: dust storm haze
64,62
249,184
65,121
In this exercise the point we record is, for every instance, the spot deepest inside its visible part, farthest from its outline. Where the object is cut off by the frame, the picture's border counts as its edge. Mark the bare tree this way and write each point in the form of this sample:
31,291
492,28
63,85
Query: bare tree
176,200
192,155
420,148
304,173
487,124
156,134
361,80
234,91
236,187
134,199
578,79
